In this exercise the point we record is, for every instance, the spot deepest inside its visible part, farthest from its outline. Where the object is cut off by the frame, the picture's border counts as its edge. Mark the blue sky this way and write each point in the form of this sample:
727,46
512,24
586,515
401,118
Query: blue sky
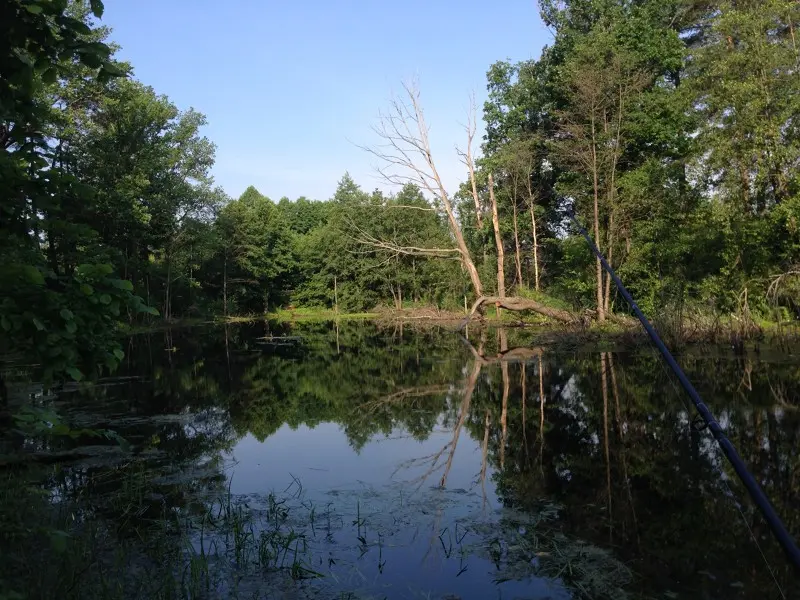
289,88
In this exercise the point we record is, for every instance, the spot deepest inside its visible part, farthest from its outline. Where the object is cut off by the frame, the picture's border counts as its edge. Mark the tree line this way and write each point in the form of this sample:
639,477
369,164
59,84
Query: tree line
668,127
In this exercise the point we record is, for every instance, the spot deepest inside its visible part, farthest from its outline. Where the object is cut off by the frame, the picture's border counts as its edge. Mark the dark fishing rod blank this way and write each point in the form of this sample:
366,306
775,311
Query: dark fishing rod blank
756,493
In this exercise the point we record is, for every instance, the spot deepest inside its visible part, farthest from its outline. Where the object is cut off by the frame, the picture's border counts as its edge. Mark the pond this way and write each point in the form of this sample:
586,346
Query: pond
351,460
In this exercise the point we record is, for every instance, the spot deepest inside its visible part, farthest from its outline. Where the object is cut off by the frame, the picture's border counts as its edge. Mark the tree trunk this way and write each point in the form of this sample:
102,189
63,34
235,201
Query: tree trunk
466,258
522,304
498,240
601,315
474,185
167,296
609,257
535,250
517,259
225,284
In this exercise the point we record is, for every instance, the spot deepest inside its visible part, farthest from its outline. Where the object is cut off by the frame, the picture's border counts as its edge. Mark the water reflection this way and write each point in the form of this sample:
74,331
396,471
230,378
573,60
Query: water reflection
484,466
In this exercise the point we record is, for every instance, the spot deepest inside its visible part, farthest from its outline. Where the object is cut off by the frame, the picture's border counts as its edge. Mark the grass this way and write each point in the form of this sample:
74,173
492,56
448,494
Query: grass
318,314
285,315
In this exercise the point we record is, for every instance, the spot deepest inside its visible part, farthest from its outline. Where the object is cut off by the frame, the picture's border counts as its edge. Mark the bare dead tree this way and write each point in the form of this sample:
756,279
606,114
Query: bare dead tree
466,158
498,240
463,412
406,157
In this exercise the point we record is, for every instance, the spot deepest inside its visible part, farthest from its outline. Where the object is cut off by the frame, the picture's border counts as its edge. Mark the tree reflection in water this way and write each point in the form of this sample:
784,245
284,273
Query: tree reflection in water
593,446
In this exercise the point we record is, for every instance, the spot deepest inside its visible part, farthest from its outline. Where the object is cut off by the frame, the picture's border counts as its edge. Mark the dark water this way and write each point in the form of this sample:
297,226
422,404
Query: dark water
391,463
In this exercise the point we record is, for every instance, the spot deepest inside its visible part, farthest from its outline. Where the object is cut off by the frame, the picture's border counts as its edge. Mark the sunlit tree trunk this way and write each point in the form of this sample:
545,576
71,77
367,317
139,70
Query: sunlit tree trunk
498,240
535,248
601,315
517,258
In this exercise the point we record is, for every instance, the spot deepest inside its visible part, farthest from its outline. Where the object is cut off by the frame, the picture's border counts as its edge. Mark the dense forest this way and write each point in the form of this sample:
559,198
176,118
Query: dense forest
669,127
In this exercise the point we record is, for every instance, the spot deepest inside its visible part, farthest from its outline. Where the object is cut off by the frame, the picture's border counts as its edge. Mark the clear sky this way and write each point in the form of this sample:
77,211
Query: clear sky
289,87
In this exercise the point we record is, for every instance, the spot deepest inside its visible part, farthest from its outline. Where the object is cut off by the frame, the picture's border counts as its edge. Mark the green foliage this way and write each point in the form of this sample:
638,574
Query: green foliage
692,116
67,323
60,305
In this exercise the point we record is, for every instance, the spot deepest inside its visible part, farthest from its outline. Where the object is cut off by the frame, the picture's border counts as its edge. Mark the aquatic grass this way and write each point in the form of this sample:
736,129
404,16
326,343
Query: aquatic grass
237,545
536,546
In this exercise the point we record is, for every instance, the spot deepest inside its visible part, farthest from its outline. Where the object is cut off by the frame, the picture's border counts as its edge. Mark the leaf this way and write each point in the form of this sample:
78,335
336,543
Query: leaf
66,314
34,9
151,311
58,540
91,60
76,25
124,444
24,56
39,325
122,284
97,8
115,70
50,75
5,323
119,353
33,275
71,327
87,289
74,373
105,299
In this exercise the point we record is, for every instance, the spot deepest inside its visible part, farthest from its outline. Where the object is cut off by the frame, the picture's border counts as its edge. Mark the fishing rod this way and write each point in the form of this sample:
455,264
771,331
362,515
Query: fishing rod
756,493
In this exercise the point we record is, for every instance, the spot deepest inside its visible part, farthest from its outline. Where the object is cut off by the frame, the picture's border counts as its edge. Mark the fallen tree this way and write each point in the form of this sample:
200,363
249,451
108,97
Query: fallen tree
521,304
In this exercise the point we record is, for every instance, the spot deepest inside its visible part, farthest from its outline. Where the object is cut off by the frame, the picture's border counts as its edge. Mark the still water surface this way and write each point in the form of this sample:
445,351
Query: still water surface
421,464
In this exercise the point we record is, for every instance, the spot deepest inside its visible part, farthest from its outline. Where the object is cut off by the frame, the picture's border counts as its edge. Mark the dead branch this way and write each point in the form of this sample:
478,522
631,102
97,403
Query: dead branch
405,394
462,417
776,282
411,207
520,354
466,158
396,249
